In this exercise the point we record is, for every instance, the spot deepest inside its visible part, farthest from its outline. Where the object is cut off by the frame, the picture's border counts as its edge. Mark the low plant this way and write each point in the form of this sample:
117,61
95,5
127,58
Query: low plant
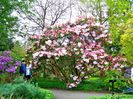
23,90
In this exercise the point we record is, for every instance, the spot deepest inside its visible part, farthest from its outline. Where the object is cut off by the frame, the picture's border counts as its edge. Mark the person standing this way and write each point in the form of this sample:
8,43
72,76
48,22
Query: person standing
28,70
22,69
132,73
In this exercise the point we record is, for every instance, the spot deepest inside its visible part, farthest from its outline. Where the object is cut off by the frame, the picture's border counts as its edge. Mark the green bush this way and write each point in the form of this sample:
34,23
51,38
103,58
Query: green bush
18,52
24,90
121,81
18,80
113,97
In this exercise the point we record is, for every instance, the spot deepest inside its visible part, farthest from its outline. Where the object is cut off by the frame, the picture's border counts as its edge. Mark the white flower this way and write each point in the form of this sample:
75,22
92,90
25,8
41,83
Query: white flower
95,57
48,42
101,50
75,49
75,77
67,40
82,51
64,51
95,62
101,56
36,54
40,55
55,54
47,60
77,53
93,33
97,24
110,42
43,47
106,63
72,84
71,75
62,35
79,44
82,72
64,43
86,60
86,34
105,31
57,58
86,77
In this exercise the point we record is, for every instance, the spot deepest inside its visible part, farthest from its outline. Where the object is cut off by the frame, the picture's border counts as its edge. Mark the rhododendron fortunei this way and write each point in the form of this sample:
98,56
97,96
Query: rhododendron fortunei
71,51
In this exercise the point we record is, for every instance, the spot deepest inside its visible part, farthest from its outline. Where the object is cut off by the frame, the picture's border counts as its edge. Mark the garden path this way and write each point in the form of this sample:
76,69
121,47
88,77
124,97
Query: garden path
65,94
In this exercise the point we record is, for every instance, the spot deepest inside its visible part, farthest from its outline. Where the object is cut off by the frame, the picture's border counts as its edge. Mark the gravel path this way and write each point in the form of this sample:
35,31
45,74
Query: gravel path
65,94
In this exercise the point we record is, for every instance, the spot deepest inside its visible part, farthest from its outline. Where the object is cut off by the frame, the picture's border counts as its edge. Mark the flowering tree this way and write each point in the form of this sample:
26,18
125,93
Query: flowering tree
73,51
7,64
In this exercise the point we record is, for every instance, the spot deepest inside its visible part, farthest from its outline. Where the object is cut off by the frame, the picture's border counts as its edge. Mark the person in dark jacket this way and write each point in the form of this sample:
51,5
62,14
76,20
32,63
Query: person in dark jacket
22,70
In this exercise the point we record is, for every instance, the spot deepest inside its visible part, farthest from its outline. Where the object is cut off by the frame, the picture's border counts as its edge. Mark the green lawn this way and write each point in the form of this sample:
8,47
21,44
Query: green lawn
93,84
116,96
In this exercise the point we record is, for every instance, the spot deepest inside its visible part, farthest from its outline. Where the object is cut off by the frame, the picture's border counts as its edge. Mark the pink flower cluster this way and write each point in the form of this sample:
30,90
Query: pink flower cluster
35,36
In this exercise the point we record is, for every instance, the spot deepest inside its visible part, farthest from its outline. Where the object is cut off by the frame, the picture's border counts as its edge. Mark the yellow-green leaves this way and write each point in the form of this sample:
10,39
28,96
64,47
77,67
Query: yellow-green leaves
127,39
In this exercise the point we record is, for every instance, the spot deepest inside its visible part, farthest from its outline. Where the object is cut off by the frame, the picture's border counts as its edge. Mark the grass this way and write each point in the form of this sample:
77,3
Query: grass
48,94
93,84
120,96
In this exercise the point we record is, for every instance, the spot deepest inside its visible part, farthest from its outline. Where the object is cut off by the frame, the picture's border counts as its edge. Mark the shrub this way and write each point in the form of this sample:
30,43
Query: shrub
24,90
73,51
8,67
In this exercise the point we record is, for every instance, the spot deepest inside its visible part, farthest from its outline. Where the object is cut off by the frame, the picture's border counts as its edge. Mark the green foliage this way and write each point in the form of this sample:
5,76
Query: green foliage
7,77
86,85
3,78
18,51
117,14
47,83
24,90
127,39
121,81
7,23
113,97
18,80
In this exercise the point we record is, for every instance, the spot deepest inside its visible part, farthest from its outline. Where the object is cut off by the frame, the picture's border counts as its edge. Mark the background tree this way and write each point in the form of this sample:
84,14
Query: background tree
7,24
43,13
111,13
127,39
97,8
18,52
118,14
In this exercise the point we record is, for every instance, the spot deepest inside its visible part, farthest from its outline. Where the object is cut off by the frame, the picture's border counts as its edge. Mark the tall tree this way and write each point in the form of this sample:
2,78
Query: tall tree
127,39
118,14
43,13
97,8
111,12
7,23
